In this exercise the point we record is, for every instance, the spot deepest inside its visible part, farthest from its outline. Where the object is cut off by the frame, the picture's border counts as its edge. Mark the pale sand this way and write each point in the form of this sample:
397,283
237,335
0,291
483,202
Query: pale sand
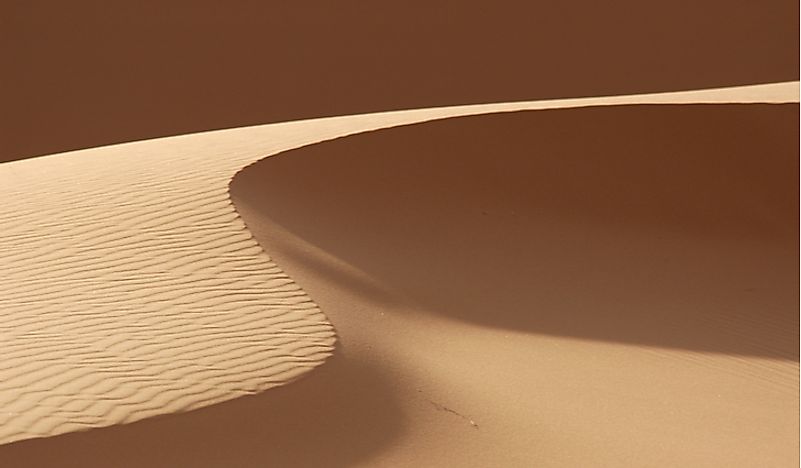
164,199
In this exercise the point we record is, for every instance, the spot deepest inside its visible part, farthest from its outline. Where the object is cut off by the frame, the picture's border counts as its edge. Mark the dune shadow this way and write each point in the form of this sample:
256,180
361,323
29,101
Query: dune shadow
671,226
337,415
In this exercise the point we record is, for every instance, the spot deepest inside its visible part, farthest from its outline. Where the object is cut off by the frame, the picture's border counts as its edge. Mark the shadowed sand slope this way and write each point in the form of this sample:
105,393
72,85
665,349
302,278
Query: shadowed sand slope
583,287
94,73
673,226
343,413
132,289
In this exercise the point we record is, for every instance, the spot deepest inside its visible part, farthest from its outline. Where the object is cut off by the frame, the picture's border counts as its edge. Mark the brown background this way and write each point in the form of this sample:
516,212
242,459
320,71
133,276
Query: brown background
89,73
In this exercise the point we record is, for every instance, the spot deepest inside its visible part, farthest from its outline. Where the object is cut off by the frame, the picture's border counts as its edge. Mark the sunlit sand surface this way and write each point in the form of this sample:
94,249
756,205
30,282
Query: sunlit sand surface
611,281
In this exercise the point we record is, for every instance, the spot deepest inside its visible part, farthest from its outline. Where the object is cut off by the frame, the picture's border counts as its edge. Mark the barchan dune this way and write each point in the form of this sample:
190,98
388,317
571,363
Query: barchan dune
612,281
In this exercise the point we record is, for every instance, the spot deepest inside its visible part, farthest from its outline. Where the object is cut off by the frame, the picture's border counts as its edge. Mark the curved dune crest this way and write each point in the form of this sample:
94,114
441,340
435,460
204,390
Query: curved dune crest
611,286
131,290
615,224
131,287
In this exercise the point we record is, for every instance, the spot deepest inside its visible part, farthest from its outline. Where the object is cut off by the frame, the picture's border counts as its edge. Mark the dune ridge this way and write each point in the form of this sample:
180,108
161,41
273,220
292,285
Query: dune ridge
132,288
611,286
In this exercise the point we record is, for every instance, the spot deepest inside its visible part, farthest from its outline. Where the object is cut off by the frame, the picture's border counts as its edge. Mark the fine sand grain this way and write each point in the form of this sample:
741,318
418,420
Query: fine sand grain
476,328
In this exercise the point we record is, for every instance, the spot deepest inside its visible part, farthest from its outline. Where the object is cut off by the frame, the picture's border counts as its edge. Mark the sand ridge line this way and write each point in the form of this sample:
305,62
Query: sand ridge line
153,295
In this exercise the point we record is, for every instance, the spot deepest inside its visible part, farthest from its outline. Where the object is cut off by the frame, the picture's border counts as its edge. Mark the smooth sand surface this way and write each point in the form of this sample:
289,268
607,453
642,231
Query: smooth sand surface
583,287
440,360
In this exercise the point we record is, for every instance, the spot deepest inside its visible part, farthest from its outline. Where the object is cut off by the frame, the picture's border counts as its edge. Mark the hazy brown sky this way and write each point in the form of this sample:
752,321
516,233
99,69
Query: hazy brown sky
87,73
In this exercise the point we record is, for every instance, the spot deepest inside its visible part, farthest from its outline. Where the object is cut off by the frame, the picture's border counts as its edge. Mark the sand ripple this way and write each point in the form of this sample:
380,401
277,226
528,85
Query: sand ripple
131,288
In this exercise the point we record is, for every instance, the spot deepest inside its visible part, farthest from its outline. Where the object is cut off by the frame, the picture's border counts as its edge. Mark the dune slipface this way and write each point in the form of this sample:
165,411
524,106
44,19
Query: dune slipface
131,288
607,286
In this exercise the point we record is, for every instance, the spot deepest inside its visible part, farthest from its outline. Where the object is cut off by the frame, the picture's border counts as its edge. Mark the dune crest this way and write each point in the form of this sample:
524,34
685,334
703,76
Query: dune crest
131,288
606,286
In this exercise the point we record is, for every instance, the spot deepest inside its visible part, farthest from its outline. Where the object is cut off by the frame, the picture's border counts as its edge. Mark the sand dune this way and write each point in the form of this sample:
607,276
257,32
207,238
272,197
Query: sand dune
133,287
583,287
183,309
698,203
